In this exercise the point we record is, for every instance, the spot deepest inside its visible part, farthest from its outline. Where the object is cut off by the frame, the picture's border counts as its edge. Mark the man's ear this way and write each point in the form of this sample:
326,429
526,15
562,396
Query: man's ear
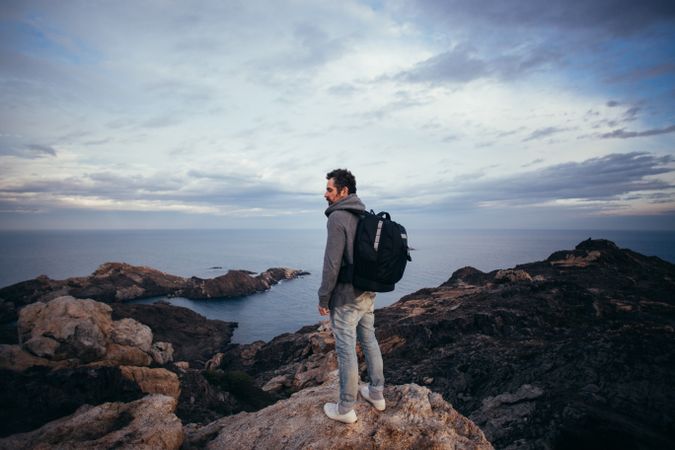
344,192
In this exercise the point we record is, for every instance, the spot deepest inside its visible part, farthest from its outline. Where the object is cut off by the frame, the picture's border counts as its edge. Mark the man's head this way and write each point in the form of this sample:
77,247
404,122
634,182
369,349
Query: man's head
340,184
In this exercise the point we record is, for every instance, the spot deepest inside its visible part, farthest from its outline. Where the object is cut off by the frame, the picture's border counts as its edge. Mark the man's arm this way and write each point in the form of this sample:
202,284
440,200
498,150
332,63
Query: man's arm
332,259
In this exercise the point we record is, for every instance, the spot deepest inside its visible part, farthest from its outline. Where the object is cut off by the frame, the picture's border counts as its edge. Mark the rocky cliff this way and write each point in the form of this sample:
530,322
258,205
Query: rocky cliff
415,418
576,351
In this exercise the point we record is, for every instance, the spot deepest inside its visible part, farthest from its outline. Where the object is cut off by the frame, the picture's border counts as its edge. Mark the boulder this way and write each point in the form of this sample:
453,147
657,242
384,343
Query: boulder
162,352
82,331
119,355
131,333
148,423
415,418
65,328
192,336
153,381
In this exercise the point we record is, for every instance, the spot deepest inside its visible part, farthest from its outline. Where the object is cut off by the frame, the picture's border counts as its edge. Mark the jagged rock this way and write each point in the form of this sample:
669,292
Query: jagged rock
83,330
153,381
293,360
192,336
512,276
133,334
148,423
120,355
207,395
118,282
162,352
415,418
596,316
591,333
65,328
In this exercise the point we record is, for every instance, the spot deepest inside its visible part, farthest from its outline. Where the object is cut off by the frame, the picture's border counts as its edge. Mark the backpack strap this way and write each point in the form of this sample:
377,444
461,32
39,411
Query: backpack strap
346,274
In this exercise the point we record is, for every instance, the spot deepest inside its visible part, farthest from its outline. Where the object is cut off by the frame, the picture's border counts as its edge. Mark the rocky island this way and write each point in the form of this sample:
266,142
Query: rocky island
576,351
120,282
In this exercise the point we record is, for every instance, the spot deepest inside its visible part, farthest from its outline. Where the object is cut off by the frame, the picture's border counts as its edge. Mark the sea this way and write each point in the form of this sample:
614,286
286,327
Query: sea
291,304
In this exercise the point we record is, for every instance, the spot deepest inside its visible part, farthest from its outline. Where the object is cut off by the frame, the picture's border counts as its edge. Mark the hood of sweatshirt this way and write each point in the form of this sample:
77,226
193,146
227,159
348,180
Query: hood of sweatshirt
351,203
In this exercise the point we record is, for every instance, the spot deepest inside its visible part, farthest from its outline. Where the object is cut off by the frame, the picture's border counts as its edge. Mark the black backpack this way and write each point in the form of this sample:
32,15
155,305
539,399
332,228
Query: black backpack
381,253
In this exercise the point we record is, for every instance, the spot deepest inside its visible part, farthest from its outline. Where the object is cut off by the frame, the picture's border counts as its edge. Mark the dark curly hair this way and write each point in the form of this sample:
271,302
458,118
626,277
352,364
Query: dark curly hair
343,178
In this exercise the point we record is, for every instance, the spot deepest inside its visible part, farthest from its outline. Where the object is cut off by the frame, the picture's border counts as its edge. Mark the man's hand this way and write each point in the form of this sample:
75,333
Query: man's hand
324,311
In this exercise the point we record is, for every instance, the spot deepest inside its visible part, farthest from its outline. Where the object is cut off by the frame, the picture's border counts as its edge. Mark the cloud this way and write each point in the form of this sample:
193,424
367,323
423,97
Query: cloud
623,134
463,64
597,178
458,65
543,133
616,17
13,146
201,191
606,178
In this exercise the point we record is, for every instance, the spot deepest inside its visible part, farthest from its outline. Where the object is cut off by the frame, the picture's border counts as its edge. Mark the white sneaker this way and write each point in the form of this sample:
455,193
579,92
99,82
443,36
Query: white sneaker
365,393
332,411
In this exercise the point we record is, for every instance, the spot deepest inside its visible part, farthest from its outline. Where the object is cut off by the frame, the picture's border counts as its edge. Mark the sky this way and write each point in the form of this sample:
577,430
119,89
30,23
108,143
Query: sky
228,114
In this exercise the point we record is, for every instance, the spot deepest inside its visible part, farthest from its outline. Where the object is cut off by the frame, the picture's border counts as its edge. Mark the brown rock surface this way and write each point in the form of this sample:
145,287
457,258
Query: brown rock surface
117,355
148,423
153,381
131,333
65,328
162,352
415,418
83,330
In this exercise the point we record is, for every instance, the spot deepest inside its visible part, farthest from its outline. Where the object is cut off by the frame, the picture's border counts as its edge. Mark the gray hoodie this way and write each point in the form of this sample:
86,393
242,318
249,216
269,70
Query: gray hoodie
339,249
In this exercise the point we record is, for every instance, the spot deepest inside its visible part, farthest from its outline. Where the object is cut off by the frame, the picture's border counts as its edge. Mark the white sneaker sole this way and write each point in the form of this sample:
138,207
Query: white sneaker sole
331,411
379,405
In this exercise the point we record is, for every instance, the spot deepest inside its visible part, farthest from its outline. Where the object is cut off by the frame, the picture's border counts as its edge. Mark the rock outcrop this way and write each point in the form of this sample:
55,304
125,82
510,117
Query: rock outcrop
193,337
119,282
415,418
148,423
83,331
72,352
576,351
289,362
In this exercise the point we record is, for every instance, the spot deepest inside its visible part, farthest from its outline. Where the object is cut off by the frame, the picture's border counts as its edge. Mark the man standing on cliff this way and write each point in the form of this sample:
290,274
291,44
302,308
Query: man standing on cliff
350,309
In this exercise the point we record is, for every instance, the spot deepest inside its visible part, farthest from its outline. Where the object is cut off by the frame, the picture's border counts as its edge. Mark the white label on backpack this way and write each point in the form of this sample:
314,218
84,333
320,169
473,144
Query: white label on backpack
376,245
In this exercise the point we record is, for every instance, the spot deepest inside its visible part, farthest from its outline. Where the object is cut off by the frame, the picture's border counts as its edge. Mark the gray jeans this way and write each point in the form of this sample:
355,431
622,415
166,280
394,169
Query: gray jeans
351,322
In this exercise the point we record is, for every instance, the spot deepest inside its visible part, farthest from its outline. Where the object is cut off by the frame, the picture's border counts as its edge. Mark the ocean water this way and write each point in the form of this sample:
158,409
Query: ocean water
291,304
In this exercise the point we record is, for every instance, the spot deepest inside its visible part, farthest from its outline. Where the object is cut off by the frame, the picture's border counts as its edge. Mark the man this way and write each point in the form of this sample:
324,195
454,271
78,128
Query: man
350,309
